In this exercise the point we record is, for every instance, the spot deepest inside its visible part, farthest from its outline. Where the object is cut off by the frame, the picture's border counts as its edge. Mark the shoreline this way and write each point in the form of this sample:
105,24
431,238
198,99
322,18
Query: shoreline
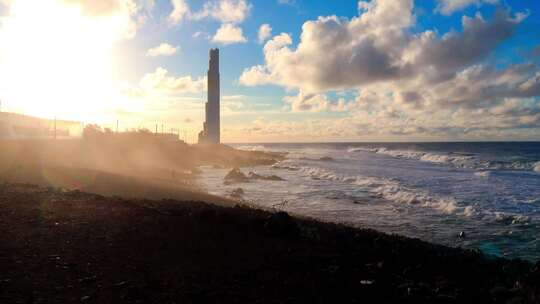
71,246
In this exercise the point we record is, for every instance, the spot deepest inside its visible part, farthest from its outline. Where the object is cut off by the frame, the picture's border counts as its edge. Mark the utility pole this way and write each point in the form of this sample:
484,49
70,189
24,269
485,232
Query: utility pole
55,128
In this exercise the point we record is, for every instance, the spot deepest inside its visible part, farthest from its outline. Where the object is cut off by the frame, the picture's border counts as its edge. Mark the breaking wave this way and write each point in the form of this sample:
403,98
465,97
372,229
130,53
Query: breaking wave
461,160
391,190
252,148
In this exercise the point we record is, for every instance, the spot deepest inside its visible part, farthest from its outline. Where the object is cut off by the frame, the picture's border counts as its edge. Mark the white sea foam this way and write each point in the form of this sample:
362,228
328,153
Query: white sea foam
456,159
252,148
417,155
360,149
484,174
509,218
280,165
393,191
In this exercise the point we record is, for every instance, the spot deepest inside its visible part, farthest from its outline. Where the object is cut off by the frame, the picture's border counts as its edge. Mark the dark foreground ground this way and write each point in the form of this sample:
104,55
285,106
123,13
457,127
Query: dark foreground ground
58,247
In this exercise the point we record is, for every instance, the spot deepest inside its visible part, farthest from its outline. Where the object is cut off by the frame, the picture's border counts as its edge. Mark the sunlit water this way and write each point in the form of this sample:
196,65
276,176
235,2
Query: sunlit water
490,191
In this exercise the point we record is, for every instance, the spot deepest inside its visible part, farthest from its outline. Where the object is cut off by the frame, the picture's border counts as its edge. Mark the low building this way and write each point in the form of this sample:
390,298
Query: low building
19,126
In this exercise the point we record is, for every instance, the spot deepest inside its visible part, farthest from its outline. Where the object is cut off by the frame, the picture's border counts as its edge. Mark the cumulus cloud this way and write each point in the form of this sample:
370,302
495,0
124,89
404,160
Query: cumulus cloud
179,12
161,82
314,103
163,49
265,31
407,82
447,7
103,7
128,15
229,34
229,12
226,11
336,53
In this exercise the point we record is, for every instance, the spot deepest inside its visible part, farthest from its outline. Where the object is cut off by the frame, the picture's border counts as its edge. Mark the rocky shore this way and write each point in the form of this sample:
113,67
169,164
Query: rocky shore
59,246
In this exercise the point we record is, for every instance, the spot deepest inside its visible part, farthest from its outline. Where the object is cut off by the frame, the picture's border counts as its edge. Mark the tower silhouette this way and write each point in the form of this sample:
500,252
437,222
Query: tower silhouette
211,127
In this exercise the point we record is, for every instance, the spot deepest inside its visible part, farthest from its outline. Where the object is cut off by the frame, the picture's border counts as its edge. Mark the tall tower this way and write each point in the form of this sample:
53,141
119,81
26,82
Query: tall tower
211,131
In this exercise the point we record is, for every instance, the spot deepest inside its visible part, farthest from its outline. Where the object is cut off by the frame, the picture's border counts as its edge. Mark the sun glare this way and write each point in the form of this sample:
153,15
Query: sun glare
56,61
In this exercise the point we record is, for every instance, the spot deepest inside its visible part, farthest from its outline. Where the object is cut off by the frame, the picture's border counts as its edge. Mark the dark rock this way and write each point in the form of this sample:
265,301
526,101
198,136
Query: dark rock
236,176
462,235
253,175
237,193
281,224
326,158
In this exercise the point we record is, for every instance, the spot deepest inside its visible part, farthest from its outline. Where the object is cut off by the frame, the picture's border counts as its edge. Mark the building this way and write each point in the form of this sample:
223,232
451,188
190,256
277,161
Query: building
19,126
211,127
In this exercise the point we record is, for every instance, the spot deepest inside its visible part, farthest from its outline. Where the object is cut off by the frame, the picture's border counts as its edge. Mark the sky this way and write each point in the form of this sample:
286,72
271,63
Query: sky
291,70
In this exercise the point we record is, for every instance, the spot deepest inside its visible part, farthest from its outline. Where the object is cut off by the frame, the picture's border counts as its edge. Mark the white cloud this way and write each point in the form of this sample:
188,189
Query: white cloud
407,83
128,14
180,11
163,49
229,34
314,103
447,7
287,2
200,34
161,82
226,11
265,31
375,47
255,75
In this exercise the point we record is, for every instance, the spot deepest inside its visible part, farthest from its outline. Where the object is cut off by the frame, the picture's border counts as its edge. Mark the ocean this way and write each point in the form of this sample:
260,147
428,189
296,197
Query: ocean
483,196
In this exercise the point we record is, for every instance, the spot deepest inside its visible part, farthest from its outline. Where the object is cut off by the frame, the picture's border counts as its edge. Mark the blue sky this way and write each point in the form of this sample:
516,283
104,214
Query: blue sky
379,70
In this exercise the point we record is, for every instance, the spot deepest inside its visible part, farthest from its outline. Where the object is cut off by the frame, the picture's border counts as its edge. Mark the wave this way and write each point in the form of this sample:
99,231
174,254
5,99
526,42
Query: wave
252,148
460,160
485,174
280,165
418,155
393,191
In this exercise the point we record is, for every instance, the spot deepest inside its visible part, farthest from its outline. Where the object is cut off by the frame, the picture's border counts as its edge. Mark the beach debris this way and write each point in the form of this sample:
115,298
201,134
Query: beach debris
236,176
281,224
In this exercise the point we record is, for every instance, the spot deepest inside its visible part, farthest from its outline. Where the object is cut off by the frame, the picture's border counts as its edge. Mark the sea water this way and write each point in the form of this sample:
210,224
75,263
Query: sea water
431,191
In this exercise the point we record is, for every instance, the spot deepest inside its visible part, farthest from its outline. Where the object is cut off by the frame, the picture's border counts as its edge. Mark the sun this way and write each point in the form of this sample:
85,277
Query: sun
57,61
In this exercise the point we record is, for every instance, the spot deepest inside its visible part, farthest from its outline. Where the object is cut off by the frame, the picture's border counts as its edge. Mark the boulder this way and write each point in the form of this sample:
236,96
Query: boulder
253,175
236,176
237,193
